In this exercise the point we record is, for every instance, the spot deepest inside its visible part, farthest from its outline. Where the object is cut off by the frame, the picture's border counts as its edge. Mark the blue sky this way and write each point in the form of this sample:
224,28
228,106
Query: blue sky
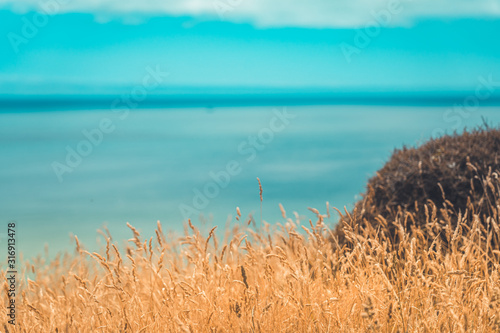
96,46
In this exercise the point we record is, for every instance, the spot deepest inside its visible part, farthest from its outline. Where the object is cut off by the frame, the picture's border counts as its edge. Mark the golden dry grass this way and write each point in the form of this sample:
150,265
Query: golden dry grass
293,278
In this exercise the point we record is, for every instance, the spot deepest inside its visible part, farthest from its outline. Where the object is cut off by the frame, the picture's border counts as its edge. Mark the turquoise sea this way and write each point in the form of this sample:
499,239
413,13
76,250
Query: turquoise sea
170,164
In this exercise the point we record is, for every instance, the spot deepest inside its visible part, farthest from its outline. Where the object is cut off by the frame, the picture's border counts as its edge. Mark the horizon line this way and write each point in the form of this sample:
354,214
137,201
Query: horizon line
211,100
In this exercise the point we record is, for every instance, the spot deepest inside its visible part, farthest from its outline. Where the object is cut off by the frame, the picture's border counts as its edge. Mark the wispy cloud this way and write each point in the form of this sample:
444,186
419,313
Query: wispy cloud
274,13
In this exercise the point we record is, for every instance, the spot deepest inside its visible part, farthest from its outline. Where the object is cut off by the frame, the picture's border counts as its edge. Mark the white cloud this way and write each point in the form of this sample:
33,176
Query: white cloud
291,13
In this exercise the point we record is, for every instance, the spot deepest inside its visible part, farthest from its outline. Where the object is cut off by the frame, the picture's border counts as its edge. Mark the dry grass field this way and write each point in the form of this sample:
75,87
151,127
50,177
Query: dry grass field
293,279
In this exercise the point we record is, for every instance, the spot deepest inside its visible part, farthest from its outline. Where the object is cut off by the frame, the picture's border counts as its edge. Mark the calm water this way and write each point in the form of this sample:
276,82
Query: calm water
150,164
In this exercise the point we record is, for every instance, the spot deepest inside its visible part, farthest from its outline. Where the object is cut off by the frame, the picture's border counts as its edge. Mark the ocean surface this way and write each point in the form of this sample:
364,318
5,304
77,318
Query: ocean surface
71,172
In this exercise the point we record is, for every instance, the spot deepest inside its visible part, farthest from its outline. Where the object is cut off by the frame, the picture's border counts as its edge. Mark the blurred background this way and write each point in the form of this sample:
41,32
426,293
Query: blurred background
138,111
